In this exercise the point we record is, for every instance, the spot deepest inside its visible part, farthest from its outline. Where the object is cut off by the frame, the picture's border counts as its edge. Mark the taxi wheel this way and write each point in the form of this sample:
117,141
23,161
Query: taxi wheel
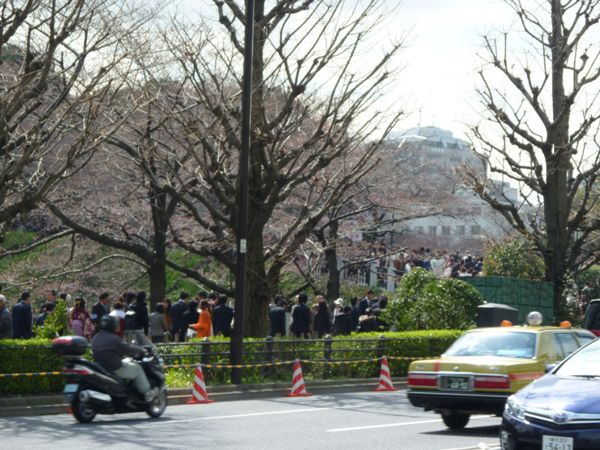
455,421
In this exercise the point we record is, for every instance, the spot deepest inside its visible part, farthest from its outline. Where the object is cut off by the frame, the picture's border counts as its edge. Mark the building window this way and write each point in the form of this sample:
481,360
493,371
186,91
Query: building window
419,229
433,230
445,231
460,230
475,230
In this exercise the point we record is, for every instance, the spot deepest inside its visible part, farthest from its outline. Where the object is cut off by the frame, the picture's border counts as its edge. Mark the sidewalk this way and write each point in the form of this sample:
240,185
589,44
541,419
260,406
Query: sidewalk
54,404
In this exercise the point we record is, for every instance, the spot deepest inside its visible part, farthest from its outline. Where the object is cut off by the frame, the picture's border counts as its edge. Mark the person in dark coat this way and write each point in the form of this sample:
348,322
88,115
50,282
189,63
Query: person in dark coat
222,317
300,325
101,308
342,324
141,312
367,301
355,313
322,319
277,317
23,318
189,317
177,310
367,322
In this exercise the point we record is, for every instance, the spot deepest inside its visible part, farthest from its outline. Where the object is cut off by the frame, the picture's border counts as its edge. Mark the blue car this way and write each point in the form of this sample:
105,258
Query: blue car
561,410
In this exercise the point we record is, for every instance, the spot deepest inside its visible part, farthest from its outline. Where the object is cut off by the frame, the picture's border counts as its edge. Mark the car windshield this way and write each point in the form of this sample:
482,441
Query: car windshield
494,343
584,363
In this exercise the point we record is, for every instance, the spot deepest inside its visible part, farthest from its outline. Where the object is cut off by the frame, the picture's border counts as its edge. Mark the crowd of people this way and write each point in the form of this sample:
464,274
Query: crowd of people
302,321
204,315
442,263
396,262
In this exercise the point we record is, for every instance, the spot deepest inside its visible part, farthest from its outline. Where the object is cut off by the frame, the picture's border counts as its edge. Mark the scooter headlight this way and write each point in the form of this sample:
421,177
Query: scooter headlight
514,408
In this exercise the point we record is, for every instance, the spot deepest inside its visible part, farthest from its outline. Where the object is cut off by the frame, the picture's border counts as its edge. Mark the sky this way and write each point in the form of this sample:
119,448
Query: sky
439,76
445,37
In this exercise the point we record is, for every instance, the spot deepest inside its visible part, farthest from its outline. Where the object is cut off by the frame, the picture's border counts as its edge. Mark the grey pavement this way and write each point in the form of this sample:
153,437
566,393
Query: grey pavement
361,421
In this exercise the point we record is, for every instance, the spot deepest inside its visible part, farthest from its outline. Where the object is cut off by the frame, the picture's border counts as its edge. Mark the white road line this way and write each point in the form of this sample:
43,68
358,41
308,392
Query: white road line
266,413
386,425
236,416
397,424
480,446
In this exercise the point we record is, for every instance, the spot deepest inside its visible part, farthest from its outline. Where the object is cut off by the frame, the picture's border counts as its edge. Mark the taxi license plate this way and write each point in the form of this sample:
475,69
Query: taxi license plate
70,388
557,443
456,383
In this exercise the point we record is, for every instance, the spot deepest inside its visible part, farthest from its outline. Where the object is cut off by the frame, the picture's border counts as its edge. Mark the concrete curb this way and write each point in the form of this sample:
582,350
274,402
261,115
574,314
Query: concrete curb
54,404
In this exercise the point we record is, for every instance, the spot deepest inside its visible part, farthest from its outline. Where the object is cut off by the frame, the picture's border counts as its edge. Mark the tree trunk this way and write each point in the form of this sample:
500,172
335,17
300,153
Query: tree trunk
333,274
556,199
157,271
556,215
259,290
157,281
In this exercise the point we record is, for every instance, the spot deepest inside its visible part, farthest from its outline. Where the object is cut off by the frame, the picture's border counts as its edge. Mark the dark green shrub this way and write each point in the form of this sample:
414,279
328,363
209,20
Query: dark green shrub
26,356
424,302
56,323
513,257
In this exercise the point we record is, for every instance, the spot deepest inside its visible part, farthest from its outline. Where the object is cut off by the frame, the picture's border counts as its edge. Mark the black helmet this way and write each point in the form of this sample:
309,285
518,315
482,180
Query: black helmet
108,323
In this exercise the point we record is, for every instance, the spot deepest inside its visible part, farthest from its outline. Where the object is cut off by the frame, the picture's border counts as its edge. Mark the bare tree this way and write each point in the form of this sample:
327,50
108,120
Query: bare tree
314,103
60,63
542,103
133,208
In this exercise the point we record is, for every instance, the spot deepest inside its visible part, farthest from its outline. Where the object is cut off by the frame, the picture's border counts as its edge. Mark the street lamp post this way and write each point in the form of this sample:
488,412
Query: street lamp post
236,350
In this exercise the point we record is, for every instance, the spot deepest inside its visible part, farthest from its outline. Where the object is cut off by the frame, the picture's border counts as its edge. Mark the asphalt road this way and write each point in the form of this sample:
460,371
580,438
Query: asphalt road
361,421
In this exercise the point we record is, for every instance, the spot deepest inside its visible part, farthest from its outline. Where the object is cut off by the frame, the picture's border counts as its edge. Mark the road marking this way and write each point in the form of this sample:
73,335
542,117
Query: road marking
397,424
266,413
386,425
480,446
234,416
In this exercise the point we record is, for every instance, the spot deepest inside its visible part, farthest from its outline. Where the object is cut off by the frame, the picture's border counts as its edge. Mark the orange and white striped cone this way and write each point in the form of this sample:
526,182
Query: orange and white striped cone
385,379
298,387
199,394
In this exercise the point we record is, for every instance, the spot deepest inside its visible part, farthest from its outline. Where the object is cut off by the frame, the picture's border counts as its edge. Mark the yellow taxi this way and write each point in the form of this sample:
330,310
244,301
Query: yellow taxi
486,365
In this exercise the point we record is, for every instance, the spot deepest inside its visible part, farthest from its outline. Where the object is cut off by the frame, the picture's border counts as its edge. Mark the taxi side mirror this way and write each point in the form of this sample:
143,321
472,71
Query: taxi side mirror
549,368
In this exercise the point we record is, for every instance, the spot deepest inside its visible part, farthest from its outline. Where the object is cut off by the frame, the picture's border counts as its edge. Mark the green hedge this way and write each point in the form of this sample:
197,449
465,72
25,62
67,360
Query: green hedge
27,356
35,355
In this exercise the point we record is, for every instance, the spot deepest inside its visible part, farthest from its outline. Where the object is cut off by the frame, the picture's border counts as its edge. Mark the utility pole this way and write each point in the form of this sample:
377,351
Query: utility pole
237,337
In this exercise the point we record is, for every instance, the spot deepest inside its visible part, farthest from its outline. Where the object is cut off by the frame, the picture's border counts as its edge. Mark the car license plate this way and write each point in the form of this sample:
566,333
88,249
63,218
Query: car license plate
70,388
557,443
456,383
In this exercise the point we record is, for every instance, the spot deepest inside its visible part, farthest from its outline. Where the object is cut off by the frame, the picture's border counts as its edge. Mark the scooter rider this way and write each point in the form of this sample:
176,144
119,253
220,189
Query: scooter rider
108,349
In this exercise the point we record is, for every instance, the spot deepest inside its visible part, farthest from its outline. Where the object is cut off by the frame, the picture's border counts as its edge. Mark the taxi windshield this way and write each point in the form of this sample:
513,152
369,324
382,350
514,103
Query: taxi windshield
494,343
585,363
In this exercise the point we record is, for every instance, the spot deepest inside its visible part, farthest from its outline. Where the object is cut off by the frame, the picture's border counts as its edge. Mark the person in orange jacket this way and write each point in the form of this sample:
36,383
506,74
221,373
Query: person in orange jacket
204,326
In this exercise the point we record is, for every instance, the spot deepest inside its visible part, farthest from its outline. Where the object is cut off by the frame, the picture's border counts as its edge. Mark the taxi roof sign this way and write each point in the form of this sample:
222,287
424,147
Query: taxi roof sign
534,319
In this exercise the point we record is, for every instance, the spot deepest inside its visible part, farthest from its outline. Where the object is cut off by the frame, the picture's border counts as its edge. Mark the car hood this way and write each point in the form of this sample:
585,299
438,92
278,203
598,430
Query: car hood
553,392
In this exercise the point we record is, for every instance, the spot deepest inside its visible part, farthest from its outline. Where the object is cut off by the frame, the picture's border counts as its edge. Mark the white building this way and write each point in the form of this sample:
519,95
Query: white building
460,220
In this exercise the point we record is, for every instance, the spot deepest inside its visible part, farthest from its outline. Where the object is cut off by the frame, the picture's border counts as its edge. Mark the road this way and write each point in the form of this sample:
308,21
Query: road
361,421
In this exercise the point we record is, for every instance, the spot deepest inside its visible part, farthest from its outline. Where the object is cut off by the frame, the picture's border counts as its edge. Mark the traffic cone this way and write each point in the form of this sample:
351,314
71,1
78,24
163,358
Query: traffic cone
199,394
298,387
385,379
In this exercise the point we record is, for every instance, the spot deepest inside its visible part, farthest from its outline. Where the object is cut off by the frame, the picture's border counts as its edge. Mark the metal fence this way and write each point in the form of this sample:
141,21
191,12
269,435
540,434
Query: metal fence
327,354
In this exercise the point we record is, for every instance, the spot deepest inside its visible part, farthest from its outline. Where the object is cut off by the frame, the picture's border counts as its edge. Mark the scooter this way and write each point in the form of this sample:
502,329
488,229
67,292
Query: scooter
91,389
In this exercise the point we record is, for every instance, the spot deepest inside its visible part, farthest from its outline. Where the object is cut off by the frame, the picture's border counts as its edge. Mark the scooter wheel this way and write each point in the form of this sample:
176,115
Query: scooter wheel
82,412
158,405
